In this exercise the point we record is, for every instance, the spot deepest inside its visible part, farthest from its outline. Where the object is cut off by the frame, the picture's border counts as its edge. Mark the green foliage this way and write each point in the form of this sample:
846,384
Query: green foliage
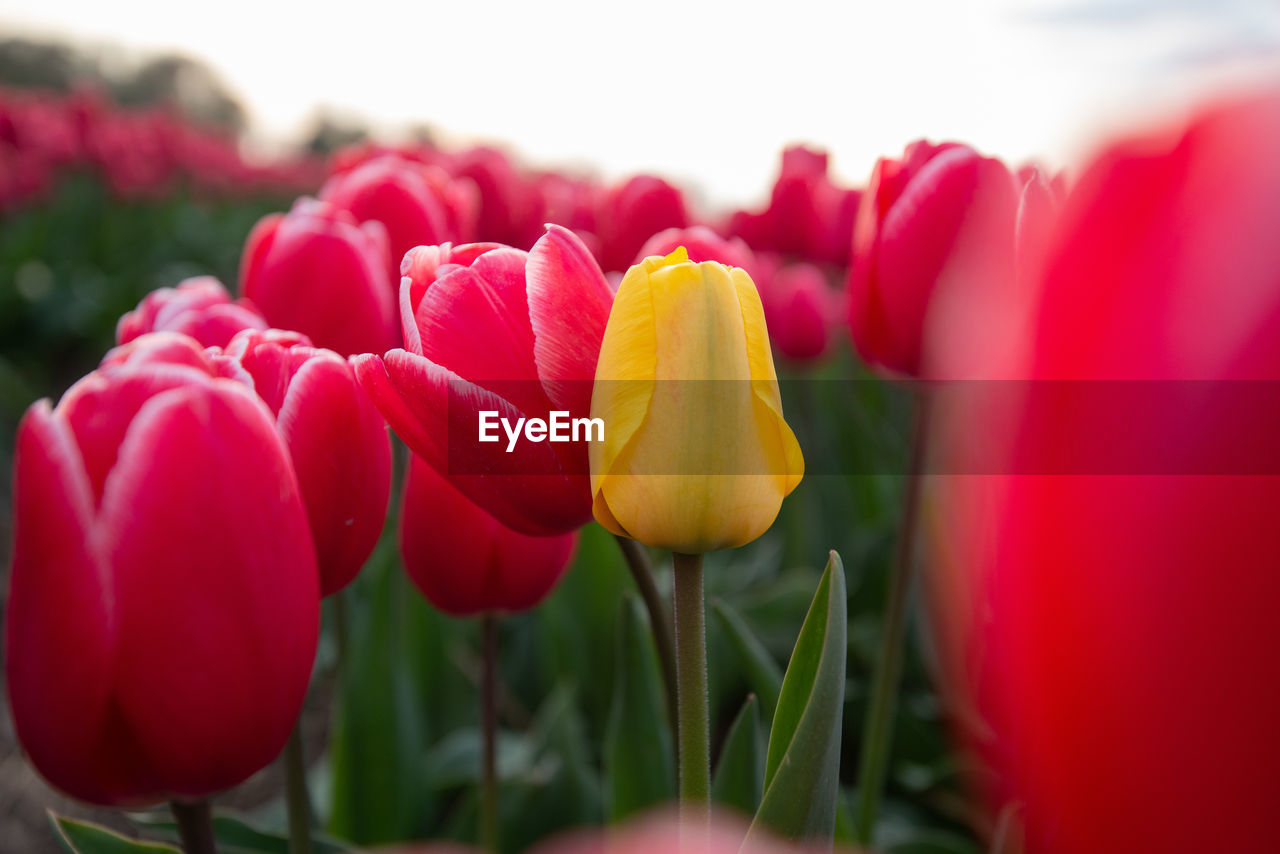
82,837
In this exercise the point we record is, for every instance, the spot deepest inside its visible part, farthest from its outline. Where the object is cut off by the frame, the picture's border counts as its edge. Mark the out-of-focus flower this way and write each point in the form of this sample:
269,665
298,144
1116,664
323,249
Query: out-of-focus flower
317,271
696,454
163,605
199,307
701,244
808,216
1105,580
503,201
634,211
417,204
467,563
491,328
801,309
939,205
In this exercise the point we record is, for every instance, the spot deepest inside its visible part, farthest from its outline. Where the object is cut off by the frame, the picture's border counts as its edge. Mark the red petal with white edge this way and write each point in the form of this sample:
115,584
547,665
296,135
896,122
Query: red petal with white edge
341,454
216,587
569,301
61,622
475,322
436,413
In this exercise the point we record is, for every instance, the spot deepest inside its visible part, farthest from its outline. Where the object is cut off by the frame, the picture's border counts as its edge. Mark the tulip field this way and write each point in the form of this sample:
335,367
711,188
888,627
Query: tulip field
415,499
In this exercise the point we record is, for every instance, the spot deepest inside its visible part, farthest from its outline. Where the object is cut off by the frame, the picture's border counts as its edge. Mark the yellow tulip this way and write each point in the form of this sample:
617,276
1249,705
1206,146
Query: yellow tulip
696,454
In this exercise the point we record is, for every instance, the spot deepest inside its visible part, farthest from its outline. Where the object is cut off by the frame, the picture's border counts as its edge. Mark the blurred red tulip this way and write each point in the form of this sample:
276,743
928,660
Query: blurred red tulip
634,211
1114,623
317,271
918,213
493,328
416,203
163,605
467,563
199,307
336,438
702,244
800,309
503,200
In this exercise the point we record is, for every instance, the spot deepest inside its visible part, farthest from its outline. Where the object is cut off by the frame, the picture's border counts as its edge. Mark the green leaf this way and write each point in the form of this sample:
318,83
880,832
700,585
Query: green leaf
763,674
235,836
739,775
802,770
379,737
638,764
82,837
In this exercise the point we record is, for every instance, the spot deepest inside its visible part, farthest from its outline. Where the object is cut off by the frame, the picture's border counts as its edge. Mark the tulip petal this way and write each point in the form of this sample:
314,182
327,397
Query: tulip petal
217,589
478,323
436,413
569,301
785,458
340,452
60,625
625,376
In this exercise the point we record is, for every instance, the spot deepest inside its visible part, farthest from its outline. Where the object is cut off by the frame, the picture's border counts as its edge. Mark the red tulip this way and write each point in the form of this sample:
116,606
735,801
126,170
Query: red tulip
336,439
634,211
163,606
1114,624
702,244
800,308
417,204
200,308
493,328
918,214
318,272
502,194
464,561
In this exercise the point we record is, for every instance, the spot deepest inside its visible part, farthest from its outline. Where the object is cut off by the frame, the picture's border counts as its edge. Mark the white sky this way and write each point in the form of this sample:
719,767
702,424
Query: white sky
705,93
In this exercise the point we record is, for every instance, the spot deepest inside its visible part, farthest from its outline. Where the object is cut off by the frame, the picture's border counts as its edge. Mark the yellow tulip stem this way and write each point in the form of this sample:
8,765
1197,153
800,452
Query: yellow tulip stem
489,838
659,618
195,826
297,797
877,732
694,730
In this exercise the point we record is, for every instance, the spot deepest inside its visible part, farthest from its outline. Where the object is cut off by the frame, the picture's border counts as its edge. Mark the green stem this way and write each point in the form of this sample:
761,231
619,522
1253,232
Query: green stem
297,797
489,714
340,631
659,619
877,733
195,826
694,735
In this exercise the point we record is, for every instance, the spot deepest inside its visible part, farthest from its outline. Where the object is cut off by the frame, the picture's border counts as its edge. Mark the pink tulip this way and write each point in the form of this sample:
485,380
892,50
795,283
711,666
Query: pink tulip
163,605
702,244
200,308
634,211
800,308
467,563
491,328
317,271
916,217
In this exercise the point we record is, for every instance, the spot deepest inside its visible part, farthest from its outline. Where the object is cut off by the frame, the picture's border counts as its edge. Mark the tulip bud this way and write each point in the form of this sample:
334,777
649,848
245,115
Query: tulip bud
701,244
696,454
916,216
801,308
633,212
163,605
467,563
199,307
318,272
416,203
336,438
